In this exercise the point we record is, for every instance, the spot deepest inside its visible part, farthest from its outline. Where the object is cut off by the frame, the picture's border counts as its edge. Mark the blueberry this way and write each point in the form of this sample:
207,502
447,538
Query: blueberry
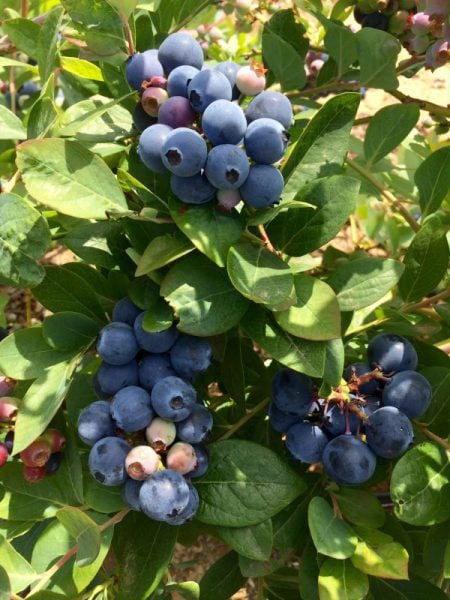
197,426
227,199
180,49
113,378
141,462
272,105
131,408
130,494
227,167
360,368
335,423
161,434
152,99
202,454
165,494
142,67
190,356
372,403
389,432
306,442
179,79
154,367
184,152
107,461
206,87
150,144
192,190
141,120
9,441
224,122
280,420
117,344
95,422
176,112
392,353
181,457
376,20
29,88
408,391
292,392
189,511
173,399
158,342
250,81
125,311
348,460
53,463
98,390
263,186
230,69
266,141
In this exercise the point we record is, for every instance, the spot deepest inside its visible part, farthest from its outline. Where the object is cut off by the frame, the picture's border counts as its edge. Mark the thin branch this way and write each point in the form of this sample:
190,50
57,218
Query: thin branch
126,25
243,420
426,301
431,107
12,182
432,436
265,238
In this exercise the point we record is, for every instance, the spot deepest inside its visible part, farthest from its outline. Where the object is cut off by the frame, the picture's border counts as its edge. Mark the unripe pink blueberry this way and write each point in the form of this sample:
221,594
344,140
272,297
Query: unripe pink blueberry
37,453
6,385
201,29
228,199
3,454
251,80
438,54
420,23
316,65
181,457
160,433
33,474
8,408
157,81
215,33
141,462
243,4
151,100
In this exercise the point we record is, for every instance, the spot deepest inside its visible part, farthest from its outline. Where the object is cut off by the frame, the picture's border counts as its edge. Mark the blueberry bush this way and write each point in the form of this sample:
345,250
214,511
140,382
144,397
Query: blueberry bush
251,338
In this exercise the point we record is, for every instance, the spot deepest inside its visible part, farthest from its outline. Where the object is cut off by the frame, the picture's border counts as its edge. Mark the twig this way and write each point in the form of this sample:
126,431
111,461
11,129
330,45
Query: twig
23,8
429,434
336,508
426,301
431,107
251,413
265,238
126,25
28,306
12,182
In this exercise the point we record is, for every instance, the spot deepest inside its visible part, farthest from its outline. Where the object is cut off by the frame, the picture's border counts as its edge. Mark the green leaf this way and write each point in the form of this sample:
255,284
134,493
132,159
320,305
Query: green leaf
161,251
284,49
5,585
245,484
16,508
415,589
298,354
331,536
254,542
20,573
64,175
297,232
222,579
64,290
40,403
433,180
361,282
377,55
360,507
143,559
82,576
41,116
315,315
334,362
322,146
143,292
341,45
81,68
24,237
378,555
308,572
447,560
10,62
158,318
85,531
101,498
339,580
420,486
388,128
202,297
260,275
125,7
69,331
12,128
435,417
48,41
210,230
25,354
426,260
24,34
95,243
188,590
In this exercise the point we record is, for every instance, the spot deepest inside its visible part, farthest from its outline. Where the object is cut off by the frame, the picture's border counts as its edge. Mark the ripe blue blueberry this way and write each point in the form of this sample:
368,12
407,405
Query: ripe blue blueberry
154,367
179,79
173,399
117,344
192,190
130,494
107,461
142,67
271,105
263,186
206,87
126,311
306,442
408,391
184,152
335,423
266,141
372,403
95,422
230,69
280,420
360,368
348,460
180,49
376,20
227,167
189,511
100,393
391,353
164,495
389,432
131,408
202,454
224,123
292,392
112,378
54,463
158,342
197,426
150,145
190,356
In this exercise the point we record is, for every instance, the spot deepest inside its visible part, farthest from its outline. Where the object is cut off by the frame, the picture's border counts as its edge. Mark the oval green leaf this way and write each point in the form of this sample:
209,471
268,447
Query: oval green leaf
433,180
340,580
254,542
68,330
331,535
12,127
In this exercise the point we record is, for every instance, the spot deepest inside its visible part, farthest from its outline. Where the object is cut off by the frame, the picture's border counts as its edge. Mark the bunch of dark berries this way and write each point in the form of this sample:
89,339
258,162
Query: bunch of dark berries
368,415
198,131
147,431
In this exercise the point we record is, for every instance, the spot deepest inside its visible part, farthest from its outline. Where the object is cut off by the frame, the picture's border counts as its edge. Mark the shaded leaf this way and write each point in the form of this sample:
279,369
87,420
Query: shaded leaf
331,535
377,55
254,542
20,572
84,530
378,555
69,330
161,251
222,579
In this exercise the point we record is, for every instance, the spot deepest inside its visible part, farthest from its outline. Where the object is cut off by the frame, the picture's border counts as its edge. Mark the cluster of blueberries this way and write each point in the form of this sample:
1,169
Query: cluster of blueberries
147,431
200,134
375,404
421,25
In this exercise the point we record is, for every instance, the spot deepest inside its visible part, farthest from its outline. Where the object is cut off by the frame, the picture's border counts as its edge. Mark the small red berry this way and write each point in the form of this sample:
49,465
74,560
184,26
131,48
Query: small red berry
55,438
8,408
33,474
37,453
3,454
